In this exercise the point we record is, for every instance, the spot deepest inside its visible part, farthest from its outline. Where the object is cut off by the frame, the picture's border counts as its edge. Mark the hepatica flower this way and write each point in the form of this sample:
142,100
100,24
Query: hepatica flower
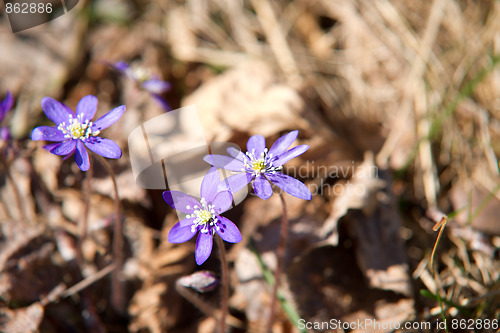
5,107
146,80
74,133
263,166
203,216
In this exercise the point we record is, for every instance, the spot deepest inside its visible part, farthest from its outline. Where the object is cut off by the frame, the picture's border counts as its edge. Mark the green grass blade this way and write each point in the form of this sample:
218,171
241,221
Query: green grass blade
287,307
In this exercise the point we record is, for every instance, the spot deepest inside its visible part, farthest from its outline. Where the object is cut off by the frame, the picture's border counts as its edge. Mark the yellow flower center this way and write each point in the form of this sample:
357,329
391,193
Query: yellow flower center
77,128
259,166
205,217
142,74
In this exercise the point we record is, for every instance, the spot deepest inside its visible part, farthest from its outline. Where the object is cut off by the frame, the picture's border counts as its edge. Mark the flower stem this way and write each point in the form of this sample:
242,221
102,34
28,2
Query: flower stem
225,285
117,296
82,226
280,253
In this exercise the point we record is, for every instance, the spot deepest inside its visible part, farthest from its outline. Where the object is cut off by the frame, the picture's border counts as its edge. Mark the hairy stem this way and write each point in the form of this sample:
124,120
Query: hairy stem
280,253
117,296
224,284
82,225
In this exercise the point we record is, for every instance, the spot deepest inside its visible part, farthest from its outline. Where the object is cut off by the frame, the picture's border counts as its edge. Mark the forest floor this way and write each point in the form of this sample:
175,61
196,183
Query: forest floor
399,102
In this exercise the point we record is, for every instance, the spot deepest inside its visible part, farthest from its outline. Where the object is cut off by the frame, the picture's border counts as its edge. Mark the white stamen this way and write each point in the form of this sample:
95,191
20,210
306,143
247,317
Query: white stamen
261,165
205,217
77,128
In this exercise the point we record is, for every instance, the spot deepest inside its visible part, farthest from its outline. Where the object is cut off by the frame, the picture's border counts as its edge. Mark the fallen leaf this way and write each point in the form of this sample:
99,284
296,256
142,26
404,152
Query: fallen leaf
22,320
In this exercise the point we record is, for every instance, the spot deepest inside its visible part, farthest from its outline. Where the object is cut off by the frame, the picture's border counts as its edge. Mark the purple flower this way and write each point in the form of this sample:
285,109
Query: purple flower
5,107
203,216
263,166
146,80
74,132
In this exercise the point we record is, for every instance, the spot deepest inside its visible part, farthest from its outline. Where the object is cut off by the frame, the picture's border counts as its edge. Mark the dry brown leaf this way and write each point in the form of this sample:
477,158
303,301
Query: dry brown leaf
387,315
327,284
101,207
254,93
29,265
155,306
368,211
145,309
251,294
16,190
358,193
474,196
22,320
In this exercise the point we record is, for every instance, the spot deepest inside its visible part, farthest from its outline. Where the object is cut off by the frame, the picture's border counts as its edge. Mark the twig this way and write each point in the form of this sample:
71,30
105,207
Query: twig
277,41
440,225
411,87
88,281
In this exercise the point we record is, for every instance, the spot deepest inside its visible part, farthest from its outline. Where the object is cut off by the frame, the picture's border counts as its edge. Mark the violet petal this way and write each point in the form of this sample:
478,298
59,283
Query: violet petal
236,182
64,148
222,201
104,147
282,144
163,102
121,66
228,231
56,111
87,106
187,221
4,133
288,155
262,187
204,245
290,185
256,145
156,86
109,118
6,104
81,156
209,184
51,146
180,234
224,162
47,133
180,201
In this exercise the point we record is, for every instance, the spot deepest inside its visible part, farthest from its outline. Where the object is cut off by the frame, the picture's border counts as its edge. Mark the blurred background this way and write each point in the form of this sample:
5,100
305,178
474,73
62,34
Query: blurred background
398,100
